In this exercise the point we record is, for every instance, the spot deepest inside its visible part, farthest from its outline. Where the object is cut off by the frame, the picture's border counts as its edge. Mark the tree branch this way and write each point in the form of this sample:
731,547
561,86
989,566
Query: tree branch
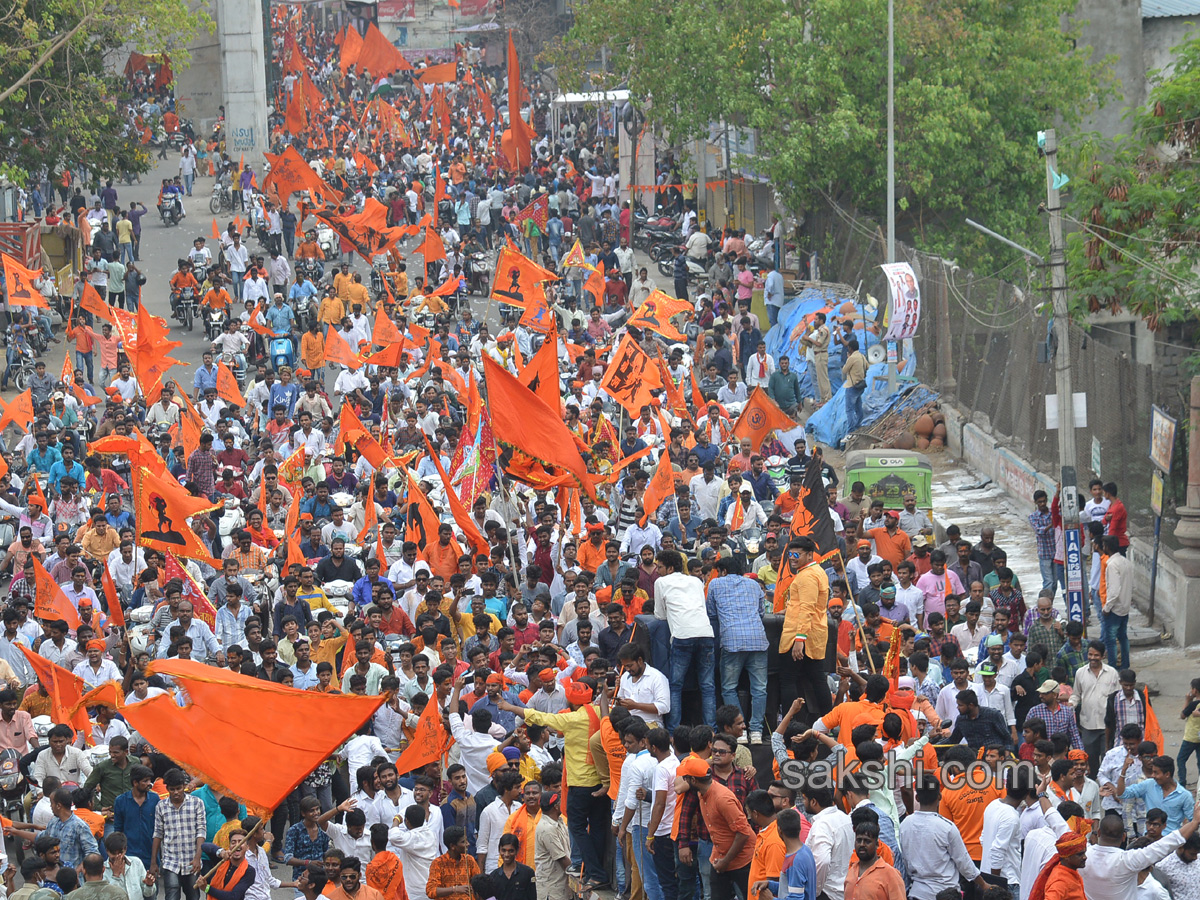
45,57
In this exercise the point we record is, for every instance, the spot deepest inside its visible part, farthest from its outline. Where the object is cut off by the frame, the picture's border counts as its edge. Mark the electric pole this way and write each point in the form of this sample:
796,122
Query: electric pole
1062,382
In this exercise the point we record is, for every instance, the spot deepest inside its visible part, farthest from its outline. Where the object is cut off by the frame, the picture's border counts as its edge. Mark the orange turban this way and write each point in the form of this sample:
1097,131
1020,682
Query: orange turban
577,693
496,761
1070,844
1077,756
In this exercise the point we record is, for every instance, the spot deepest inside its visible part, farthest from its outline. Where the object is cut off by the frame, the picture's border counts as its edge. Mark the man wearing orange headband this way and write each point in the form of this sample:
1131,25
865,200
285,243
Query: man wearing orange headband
1060,879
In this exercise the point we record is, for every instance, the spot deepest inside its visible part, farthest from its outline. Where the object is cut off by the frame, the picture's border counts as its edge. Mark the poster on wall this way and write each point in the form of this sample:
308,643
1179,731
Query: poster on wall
906,301
1162,439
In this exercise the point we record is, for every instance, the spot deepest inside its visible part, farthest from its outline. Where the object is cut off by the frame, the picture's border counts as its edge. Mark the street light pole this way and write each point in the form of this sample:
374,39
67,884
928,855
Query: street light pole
891,162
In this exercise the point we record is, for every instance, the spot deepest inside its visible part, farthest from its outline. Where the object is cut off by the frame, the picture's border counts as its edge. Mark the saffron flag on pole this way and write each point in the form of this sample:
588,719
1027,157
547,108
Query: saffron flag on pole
192,591
227,386
65,690
162,509
233,723
760,416
116,613
655,314
661,488
19,283
429,740
631,376
50,601
20,412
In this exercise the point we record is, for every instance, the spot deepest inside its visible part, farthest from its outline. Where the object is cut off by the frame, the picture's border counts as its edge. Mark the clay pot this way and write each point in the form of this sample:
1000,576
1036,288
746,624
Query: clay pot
923,427
937,443
922,443
904,441
939,431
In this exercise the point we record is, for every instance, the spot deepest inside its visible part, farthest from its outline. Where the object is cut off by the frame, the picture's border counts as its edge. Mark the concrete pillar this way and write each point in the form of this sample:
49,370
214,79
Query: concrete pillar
1187,619
244,79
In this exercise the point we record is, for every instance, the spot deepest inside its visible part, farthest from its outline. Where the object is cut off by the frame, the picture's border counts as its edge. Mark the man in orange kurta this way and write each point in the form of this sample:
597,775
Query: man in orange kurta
523,823
443,554
805,629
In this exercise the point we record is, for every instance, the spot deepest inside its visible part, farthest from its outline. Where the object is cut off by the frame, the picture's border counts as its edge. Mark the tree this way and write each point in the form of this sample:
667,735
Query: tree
974,81
60,101
1132,200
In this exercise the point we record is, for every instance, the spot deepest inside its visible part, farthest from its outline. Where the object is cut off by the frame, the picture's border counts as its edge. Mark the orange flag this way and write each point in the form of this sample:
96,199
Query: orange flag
518,279
655,314
227,386
162,509
431,249
50,602
760,416
630,376
350,429
116,615
19,283
575,257
19,411
462,515
661,487
1154,732
338,351
35,494
65,690
442,73
423,522
216,231
541,374
519,135
370,517
378,56
429,740
522,421
234,722
385,333
107,694
595,285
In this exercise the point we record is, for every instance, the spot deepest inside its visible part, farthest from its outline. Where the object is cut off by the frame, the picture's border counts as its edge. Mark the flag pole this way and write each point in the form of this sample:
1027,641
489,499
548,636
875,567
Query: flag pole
857,615
209,874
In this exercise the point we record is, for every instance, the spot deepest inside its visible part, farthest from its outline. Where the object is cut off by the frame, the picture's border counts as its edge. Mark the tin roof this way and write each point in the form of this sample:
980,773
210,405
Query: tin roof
1157,9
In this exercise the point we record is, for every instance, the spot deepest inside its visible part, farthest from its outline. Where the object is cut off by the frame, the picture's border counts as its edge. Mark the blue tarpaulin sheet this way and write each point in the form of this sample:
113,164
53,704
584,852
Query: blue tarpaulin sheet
783,339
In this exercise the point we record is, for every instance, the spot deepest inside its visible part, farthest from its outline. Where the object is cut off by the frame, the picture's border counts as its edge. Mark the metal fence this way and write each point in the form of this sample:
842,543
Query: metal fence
983,344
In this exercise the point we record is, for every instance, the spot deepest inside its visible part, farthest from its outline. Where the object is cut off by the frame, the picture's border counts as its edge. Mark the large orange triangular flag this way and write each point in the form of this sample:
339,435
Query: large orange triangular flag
49,601
429,740
462,516
338,351
65,690
116,614
20,411
162,508
575,257
19,284
760,416
228,750
227,386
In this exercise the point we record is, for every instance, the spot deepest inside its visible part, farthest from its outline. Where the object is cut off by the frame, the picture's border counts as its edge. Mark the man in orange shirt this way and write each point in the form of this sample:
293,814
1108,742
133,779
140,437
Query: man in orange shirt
443,554
849,713
963,803
732,836
890,542
805,630
591,552
869,877
769,850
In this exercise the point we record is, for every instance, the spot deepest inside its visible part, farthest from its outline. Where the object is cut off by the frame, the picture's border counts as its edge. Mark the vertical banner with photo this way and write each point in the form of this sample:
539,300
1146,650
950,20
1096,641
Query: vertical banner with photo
906,301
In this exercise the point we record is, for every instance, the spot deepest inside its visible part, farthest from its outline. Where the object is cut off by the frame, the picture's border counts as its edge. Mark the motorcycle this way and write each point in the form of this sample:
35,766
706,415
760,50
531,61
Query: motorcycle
13,788
214,323
695,270
170,213
22,358
221,199
327,240
236,363
185,307
232,521
310,269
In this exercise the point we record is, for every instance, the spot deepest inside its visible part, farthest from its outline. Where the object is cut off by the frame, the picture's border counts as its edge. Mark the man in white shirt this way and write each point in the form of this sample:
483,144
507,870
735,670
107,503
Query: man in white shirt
641,688
679,598
831,840
1001,835
475,744
1112,873
1094,684
493,817
416,845
933,847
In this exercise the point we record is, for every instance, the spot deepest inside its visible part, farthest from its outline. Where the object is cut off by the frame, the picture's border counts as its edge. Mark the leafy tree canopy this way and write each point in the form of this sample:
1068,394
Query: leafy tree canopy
1134,204
60,82
975,81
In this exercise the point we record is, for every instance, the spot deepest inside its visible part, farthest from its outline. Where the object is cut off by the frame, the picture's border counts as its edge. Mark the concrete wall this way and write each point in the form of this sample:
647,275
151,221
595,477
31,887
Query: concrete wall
1114,28
198,87
1162,35
1177,598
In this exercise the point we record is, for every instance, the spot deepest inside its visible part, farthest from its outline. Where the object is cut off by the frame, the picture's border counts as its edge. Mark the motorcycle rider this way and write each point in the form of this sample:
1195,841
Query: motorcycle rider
200,256
182,280
309,253
302,296
232,341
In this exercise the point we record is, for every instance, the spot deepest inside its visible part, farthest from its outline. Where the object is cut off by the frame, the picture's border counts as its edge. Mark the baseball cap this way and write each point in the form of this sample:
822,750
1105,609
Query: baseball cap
695,767
987,670
1049,686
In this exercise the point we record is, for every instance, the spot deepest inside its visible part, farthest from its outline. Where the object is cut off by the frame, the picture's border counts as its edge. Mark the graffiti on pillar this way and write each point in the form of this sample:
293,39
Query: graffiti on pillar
242,138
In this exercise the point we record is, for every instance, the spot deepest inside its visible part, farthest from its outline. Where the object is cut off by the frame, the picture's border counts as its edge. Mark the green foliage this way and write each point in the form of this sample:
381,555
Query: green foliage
61,90
975,81
1138,243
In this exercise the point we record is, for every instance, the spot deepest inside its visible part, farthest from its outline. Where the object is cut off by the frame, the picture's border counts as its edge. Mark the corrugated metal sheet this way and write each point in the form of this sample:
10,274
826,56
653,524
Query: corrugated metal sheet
1157,9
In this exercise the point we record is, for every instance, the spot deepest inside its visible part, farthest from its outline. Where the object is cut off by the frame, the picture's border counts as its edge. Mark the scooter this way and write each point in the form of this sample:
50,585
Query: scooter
327,240
282,352
170,213
214,323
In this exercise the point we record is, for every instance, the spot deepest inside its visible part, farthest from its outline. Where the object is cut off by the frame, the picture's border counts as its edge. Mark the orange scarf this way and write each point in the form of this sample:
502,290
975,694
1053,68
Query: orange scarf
385,873
223,881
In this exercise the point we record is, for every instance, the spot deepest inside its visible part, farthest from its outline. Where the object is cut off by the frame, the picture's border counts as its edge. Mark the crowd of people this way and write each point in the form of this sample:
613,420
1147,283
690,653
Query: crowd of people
668,692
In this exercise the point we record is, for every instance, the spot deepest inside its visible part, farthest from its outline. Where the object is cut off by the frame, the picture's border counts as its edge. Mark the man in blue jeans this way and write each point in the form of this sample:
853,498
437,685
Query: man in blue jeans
854,375
679,598
1118,600
738,603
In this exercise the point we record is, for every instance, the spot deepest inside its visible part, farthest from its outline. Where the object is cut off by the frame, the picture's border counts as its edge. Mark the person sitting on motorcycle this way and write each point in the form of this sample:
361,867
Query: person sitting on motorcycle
309,251
182,280
216,297
170,197
280,319
232,341
432,302
302,293
200,256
